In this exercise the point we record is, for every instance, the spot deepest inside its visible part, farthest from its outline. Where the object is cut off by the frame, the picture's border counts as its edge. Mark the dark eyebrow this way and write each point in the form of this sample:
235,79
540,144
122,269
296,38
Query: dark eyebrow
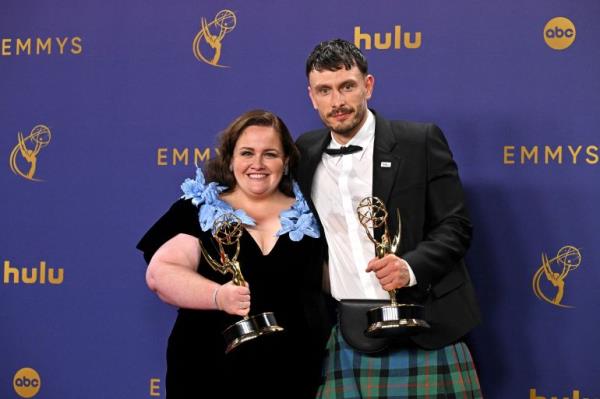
345,82
321,86
266,149
272,150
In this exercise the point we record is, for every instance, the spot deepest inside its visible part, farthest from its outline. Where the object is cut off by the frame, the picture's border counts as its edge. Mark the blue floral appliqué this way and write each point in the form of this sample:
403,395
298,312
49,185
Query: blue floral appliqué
206,197
298,221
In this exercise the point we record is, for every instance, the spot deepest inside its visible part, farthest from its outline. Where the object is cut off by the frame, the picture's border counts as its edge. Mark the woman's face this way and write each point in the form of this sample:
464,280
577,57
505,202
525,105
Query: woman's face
258,161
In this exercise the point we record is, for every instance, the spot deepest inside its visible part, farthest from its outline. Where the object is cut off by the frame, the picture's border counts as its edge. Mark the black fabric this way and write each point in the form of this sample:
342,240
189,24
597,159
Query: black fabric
343,150
353,324
286,281
179,219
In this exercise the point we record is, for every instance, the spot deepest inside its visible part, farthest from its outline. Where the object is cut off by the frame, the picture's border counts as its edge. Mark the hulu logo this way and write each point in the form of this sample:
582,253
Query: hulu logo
384,41
576,395
33,275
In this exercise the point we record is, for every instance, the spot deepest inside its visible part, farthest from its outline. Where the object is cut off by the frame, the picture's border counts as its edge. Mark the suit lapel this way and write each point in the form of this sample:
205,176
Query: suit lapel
386,167
386,164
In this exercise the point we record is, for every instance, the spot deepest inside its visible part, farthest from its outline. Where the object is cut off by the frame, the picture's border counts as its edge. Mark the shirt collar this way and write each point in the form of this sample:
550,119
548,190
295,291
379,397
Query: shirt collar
363,138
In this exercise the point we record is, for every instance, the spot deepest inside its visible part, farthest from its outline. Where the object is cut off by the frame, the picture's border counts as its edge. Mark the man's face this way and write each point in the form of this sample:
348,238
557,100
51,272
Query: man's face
341,97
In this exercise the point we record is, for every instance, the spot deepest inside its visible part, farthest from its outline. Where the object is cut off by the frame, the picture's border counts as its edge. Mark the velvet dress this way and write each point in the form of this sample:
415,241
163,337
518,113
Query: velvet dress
286,281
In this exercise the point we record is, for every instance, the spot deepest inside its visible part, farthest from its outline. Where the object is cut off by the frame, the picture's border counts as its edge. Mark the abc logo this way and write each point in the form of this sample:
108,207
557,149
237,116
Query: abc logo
559,33
27,382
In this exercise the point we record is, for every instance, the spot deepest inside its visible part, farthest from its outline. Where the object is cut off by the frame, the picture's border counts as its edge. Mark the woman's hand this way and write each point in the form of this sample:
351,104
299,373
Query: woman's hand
233,299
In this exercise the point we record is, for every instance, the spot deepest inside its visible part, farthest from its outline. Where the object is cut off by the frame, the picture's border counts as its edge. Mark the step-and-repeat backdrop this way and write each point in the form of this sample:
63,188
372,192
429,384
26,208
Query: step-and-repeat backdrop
106,106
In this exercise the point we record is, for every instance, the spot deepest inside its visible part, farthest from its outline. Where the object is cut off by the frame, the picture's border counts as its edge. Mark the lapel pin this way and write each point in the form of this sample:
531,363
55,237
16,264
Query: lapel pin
386,164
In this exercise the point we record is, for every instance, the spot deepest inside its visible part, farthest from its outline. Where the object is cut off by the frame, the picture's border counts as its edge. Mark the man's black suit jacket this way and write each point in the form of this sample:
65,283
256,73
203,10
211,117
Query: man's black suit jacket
413,171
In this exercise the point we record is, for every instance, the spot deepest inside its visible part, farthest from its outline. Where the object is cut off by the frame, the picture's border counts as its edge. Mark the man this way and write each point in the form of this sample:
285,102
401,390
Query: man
410,168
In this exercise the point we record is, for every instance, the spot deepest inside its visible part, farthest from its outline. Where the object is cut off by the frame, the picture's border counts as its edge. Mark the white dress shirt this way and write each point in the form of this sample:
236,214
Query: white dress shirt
339,184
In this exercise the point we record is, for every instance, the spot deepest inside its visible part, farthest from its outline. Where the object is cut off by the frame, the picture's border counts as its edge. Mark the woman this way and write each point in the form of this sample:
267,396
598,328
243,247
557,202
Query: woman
280,258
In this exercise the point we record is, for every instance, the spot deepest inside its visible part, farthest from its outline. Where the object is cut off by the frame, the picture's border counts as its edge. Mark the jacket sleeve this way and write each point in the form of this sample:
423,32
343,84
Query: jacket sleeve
447,228
182,217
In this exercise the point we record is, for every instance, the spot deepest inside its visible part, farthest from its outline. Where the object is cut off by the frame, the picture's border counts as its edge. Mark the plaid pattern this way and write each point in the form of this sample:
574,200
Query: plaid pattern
411,373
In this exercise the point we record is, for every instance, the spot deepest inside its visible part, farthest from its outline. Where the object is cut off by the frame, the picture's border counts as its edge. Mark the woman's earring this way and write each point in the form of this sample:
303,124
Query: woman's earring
286,170
231,168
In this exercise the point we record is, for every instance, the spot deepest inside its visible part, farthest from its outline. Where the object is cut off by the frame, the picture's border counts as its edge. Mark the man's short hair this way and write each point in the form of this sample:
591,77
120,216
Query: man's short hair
336,54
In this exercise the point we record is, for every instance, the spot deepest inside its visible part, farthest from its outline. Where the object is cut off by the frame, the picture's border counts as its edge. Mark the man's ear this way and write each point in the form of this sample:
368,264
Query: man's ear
369,85
312,100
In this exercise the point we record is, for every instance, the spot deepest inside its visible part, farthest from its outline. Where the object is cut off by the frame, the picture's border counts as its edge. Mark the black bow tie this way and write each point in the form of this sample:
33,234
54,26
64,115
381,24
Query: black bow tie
342,150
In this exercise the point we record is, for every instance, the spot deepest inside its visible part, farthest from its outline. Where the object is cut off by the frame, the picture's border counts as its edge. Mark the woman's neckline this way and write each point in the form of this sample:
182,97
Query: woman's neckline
263,237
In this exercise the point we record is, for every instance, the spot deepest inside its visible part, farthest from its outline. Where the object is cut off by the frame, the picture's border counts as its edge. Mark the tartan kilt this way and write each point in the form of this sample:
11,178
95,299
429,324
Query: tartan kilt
404,373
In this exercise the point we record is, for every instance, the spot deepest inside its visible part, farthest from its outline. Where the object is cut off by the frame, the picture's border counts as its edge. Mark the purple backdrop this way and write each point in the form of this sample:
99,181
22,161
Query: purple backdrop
121,98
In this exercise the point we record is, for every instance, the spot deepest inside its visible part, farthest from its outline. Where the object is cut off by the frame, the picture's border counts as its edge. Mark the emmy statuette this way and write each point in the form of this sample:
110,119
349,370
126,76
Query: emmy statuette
227,232
394,319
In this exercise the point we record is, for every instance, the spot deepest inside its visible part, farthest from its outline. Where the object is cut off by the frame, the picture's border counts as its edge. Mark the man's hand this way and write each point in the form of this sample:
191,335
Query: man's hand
391,271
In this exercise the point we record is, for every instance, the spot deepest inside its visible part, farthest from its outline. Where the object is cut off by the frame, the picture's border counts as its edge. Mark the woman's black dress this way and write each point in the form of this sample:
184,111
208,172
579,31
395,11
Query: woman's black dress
285,281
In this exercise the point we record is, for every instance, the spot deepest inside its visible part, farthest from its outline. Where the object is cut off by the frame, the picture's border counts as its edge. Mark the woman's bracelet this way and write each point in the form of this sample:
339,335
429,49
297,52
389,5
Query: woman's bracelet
215,292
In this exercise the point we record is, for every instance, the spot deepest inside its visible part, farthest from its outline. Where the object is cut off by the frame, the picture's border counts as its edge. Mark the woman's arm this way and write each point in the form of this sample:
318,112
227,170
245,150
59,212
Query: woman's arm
172,275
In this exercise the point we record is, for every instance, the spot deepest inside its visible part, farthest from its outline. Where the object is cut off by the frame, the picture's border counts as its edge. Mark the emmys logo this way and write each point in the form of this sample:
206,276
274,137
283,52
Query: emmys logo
555,271
559,155
41,46
559,33
399,39
27,382
26,151
154,386
207,43
174,156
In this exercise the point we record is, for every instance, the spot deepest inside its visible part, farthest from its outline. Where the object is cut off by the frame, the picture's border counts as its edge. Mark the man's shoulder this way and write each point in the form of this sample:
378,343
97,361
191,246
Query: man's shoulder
401,125
311,137
409,130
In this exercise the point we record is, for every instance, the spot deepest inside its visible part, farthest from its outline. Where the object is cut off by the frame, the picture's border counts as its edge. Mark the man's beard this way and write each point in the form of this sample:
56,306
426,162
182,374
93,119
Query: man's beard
348,126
